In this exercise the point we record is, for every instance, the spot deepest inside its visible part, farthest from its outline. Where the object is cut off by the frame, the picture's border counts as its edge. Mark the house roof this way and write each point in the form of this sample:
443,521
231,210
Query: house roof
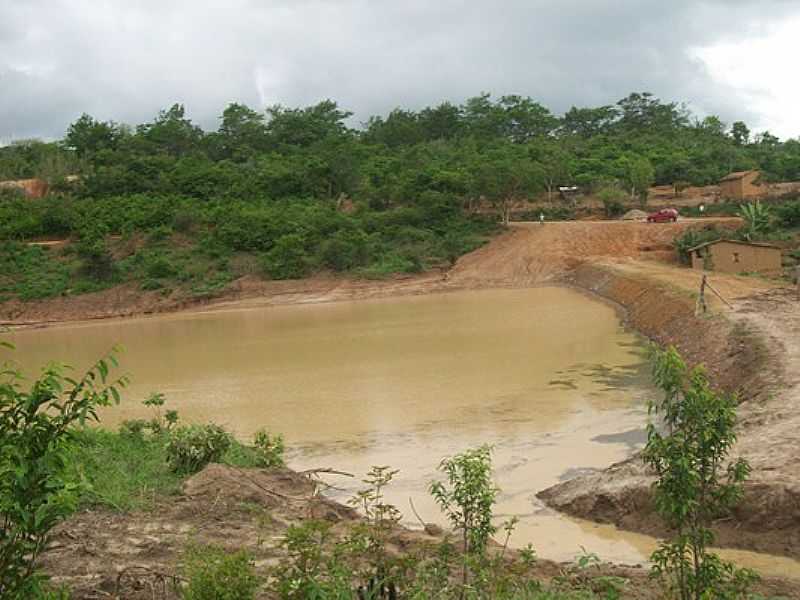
757,244
738,175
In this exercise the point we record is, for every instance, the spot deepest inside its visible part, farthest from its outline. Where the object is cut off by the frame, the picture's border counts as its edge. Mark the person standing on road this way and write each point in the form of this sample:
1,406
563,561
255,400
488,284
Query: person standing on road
541,218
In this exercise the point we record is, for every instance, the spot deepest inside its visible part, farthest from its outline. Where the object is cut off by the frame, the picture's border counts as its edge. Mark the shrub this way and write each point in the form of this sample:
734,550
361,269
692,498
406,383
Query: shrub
151,284
288,258
35,491
789,214
269,449
696,483
159,267
192,447
214,574
694,237
612,197
97,260
468,499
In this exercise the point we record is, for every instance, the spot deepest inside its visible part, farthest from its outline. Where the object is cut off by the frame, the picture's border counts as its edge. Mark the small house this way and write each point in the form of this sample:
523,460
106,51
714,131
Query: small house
741,185
732,256
32,188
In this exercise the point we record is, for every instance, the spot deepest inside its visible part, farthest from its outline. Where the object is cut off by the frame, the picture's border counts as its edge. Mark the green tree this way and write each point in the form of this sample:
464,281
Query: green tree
171,132
88,136
242,133
36,426
304,126
639,175
740,133
555,163
696,482
467,500
505,175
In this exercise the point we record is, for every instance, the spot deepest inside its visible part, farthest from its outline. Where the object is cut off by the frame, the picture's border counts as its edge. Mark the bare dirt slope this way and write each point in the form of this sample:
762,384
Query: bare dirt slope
531,253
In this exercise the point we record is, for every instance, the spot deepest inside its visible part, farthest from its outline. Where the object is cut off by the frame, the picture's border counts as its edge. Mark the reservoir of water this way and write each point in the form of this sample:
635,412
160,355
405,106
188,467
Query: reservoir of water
548,376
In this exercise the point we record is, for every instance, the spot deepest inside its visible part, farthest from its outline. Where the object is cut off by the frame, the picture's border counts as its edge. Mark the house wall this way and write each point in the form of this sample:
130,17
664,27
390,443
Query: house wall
740,258
742,188
748,187
731,189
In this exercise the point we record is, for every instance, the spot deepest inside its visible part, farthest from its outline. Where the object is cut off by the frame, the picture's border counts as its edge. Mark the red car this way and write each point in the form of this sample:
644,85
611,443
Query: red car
665,215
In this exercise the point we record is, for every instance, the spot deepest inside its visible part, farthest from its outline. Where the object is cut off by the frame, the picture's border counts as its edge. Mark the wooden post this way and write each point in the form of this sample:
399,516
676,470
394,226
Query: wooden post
701,299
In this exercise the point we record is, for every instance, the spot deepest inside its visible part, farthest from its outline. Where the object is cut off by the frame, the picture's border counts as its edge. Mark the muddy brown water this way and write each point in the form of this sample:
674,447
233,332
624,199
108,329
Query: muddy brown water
548,376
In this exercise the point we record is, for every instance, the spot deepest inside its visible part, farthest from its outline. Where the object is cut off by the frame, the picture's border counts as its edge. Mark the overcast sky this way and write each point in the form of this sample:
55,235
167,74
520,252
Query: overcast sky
124,60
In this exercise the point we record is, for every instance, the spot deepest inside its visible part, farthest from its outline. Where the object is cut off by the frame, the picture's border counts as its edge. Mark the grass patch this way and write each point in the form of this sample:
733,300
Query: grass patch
127,471
123,471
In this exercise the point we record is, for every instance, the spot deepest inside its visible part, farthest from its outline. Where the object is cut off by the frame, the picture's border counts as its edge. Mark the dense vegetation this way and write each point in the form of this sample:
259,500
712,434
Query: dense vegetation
290,191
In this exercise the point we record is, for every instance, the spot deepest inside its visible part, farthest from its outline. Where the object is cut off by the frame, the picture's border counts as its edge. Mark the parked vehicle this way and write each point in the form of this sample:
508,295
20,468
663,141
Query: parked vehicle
665,215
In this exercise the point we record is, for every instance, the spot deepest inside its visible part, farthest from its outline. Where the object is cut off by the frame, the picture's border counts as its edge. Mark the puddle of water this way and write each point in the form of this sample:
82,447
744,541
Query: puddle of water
546,375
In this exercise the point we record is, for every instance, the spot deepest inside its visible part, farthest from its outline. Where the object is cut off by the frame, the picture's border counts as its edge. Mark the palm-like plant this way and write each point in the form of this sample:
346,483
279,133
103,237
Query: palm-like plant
757,218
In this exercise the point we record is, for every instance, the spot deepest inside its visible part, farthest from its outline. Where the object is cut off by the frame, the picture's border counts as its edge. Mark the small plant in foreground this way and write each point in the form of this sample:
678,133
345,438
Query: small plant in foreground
159,423
214,574
312,569
696,482
467,500
371,538
35,492
192,447
269,449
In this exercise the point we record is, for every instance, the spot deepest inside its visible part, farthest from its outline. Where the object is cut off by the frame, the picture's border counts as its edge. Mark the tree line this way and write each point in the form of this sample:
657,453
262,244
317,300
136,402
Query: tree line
500,148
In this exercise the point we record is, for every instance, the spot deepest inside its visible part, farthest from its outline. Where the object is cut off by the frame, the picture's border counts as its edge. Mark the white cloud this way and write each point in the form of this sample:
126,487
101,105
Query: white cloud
763,71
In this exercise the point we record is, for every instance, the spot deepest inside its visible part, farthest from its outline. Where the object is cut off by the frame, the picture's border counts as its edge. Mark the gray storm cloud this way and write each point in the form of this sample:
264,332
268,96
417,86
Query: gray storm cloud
126,60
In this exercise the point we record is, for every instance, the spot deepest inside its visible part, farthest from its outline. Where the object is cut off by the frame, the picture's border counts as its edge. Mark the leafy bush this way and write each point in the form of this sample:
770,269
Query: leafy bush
35,490
151,284
97,260
192,447
31,272
211,573
788,214
612,198
270,449
696,483
159,267
694,237
468,499
288,259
